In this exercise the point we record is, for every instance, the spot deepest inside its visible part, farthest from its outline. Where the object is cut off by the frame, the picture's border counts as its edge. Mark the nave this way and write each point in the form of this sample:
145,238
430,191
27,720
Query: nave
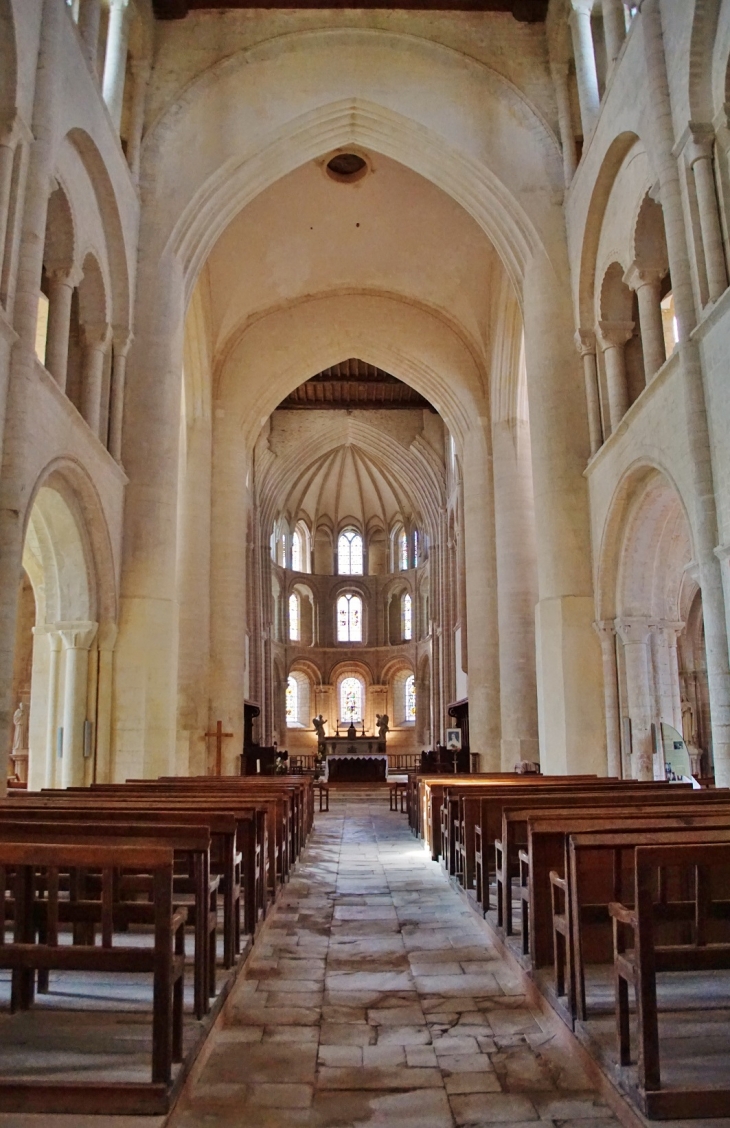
374,997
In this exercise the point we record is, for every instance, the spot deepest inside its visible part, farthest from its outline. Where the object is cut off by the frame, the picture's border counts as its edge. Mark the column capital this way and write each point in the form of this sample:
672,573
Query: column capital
585,341
722,552
122,338
107,636
52,634
637,276
633,630
669,628
582,7
613,334
77,635
96,335
605,629
64,274
700,140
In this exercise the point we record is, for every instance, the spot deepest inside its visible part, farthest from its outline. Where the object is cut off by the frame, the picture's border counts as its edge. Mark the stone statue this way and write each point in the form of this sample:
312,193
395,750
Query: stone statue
20,720
688,723
319,723
381,723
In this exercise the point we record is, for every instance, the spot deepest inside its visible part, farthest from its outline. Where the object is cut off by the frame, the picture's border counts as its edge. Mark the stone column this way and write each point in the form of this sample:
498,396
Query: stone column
607,635
54,647
96,339
569,676
481,599
77,638
585,64
89,18
7,159
699,156
140,69
105,642
559,72
704,512
634,634
115,59
673,632
21,421
660,646
146,656
614,29
585,342
647,284
514,519
61,284
230,501
121,343
613,337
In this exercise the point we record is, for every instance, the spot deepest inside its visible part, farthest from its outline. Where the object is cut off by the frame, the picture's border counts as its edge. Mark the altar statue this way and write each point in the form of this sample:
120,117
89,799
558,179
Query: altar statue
319,723
382,725
20,720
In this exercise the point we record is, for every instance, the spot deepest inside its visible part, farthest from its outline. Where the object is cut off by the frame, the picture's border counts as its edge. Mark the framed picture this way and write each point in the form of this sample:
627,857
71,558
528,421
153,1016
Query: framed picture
453,740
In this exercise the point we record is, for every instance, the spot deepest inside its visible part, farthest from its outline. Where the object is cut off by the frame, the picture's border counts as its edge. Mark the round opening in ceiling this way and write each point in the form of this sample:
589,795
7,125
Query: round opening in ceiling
347,167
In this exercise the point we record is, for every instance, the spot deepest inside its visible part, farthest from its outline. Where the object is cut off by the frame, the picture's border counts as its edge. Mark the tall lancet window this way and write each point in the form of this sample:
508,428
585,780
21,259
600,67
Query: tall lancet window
295,625
351,696
415,548
349,553
406,618
349,618
411,698
297,551
292,701
403,551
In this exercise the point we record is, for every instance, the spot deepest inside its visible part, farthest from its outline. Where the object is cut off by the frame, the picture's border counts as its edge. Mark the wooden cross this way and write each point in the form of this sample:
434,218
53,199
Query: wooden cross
219,734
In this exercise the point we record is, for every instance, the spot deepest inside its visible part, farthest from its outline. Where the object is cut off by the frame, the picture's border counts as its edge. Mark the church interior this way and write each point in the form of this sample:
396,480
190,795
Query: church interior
365,556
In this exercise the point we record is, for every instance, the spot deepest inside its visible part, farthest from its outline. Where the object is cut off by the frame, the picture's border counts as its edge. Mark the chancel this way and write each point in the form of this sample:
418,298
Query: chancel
364,403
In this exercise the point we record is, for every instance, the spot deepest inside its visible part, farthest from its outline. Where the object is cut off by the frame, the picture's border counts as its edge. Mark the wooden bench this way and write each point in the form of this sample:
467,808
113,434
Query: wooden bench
24,955
638,958
598,869
397,793
189,843
324,794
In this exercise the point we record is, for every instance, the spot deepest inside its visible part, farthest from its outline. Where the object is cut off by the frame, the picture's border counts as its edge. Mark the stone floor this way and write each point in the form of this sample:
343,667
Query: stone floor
373,997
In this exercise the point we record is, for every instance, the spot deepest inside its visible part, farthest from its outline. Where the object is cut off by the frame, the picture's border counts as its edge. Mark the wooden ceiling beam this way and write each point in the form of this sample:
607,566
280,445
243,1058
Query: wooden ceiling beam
526,11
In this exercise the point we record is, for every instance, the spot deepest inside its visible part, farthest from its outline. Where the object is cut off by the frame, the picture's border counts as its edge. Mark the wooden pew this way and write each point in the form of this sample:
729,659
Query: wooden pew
164,960
547,847
236,856
187,842
638,958
598,869
513,836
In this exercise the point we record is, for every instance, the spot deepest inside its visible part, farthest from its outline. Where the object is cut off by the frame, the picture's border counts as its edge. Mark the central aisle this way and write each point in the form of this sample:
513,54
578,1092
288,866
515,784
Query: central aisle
372,997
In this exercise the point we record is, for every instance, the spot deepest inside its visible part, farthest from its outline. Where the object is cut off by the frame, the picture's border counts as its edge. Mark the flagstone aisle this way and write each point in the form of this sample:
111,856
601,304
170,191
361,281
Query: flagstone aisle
373,997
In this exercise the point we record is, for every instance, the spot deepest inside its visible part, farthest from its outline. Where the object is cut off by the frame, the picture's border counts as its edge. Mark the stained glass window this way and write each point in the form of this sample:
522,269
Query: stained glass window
282,550
411,698
349,618
292,701
351,696
406,613
297,552
415,548
349,553
294,621
403,551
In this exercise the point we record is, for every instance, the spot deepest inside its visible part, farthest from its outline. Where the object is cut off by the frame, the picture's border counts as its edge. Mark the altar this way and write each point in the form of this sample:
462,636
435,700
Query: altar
361,759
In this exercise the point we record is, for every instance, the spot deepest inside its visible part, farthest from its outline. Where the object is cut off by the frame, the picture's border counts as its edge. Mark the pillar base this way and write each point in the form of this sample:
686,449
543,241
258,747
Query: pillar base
145,689
519,748
569,687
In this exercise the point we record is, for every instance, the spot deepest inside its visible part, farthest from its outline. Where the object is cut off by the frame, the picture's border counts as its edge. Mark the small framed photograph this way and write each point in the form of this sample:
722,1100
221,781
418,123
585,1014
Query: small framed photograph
453,740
